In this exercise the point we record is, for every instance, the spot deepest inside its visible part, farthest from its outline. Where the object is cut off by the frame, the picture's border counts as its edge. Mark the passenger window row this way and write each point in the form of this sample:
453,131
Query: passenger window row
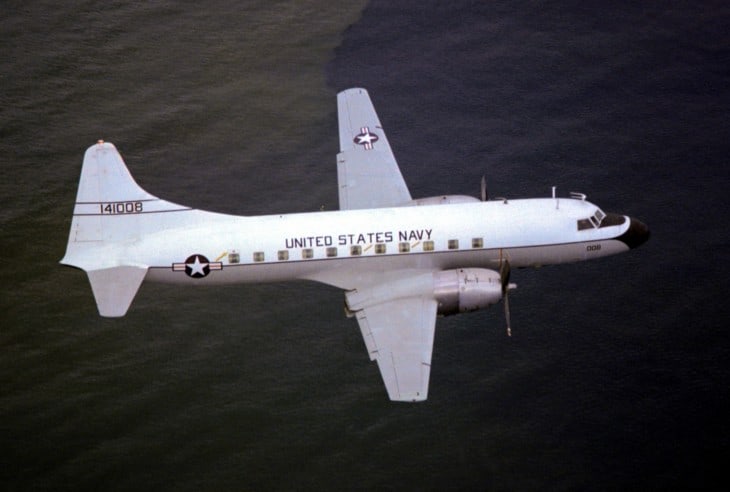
357,250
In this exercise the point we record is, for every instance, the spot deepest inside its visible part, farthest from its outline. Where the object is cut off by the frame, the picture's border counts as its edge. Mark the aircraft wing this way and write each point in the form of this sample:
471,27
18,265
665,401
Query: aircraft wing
399,334
367,173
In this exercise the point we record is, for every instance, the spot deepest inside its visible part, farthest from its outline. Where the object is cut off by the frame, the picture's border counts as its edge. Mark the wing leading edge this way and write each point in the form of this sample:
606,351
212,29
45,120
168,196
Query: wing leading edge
367,172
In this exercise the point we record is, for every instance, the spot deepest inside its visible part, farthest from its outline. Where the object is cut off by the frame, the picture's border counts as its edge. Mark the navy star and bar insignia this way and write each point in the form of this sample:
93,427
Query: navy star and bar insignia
197,266
365,138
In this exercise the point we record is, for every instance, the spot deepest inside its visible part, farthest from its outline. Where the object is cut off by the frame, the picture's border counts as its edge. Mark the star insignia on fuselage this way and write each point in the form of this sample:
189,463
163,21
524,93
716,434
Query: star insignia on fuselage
365,138
197,266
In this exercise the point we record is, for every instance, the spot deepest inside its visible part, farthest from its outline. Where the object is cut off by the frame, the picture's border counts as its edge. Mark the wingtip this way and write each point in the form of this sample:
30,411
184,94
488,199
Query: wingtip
353,90
409,397
100,144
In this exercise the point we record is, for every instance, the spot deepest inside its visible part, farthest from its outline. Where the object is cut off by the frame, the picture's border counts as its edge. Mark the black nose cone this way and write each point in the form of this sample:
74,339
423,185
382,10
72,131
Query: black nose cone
636,235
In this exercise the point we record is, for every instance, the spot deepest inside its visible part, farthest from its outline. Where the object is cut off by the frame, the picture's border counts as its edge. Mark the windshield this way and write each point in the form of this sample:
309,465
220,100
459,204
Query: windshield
592,222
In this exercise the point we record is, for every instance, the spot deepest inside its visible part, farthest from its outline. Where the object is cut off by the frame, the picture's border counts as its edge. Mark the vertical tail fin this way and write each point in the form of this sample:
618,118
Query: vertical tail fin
111,212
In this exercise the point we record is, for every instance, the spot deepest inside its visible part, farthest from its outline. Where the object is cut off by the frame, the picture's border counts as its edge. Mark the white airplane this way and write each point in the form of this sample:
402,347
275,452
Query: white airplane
400,261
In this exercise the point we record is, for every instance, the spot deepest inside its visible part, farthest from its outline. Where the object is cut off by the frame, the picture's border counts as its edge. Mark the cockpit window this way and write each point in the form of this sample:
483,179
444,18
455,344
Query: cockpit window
598,216
592,222
584,224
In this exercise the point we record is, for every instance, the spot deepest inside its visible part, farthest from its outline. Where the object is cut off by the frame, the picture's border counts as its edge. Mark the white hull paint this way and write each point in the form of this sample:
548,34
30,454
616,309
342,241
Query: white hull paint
495,223
401,261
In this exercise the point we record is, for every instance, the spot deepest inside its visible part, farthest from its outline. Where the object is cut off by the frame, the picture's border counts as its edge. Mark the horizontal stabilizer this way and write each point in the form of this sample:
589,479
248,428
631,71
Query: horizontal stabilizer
115,288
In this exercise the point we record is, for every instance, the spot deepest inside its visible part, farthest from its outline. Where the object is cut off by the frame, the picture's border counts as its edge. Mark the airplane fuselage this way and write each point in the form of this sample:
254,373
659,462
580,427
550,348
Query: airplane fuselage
342,247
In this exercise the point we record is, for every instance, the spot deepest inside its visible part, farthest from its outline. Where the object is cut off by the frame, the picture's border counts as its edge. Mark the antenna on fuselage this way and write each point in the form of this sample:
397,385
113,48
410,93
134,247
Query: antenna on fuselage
484,189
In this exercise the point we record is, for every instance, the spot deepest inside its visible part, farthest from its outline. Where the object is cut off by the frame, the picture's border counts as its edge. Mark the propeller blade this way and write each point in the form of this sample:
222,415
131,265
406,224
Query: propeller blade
505,300
504,273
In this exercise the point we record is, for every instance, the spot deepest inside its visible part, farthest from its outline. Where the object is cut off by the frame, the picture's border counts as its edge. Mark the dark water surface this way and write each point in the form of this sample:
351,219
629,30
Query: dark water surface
616,376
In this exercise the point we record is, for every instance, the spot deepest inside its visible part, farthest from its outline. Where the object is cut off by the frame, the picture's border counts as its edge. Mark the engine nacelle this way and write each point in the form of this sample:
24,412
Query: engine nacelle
466,289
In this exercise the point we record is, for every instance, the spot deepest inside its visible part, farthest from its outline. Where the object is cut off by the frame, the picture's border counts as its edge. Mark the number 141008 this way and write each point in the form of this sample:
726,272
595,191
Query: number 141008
119,208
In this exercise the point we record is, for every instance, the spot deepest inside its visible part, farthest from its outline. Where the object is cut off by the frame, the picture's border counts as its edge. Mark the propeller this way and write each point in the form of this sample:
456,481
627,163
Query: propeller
504,273
484,189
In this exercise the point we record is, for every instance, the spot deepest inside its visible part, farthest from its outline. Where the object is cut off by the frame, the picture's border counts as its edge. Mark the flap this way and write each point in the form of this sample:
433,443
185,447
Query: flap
399,335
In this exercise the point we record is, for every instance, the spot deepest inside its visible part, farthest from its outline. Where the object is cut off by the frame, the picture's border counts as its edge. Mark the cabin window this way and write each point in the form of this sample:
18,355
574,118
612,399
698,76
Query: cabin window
331,252
258,256
307,253
379,249
427,245
453,244
477,242
283,254
404,247
355,250
234,257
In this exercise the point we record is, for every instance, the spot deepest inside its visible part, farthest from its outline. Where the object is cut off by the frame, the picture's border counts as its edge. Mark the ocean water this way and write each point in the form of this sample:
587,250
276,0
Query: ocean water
616,374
